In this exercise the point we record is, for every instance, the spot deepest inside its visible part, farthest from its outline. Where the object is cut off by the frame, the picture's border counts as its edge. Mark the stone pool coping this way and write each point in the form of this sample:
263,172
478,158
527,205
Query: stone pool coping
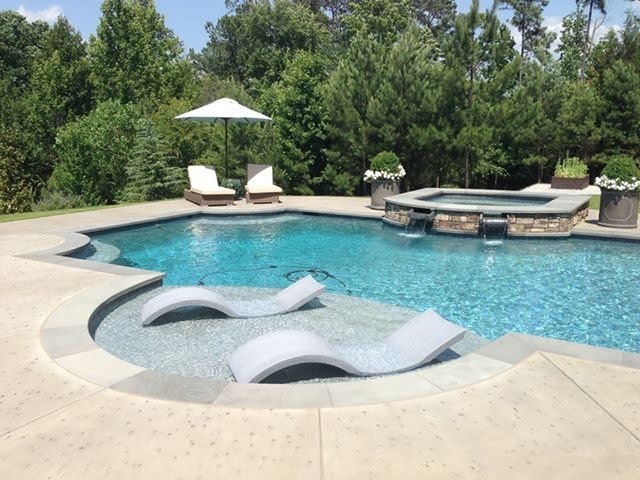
66,339
558,203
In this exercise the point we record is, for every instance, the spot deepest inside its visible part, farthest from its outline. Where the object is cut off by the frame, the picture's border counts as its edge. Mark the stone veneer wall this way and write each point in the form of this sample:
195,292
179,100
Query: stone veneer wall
519,224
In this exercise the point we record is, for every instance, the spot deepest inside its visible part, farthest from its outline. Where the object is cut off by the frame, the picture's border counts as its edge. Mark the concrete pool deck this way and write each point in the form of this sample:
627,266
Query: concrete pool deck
543,409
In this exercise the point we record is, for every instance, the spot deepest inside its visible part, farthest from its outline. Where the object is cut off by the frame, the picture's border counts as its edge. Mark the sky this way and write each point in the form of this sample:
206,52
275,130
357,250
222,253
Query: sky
187,17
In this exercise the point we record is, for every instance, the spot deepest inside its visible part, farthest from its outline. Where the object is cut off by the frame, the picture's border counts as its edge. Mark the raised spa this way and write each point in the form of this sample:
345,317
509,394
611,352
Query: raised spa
472,212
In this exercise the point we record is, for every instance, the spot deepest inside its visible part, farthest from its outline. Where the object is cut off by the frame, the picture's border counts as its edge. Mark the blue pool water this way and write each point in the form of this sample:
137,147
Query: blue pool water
581,290
485,200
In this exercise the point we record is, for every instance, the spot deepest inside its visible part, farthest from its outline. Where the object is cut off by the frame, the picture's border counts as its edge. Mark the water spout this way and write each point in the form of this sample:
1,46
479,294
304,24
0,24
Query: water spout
492,228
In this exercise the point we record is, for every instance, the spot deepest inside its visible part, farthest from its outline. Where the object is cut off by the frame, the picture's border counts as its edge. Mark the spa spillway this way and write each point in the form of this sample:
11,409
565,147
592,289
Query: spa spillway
473,212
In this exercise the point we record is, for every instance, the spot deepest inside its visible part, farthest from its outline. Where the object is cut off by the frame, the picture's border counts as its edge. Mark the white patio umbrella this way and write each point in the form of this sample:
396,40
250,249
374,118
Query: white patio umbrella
224,110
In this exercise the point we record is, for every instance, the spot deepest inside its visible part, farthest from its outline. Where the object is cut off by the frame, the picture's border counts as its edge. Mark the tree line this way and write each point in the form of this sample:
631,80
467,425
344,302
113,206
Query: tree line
92,122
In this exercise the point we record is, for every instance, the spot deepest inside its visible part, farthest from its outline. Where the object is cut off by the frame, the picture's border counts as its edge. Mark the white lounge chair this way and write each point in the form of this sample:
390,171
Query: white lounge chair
287,300
415,343
260,187
204,188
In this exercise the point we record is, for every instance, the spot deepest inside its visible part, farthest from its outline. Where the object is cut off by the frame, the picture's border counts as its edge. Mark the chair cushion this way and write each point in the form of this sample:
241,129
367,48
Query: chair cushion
202,177
259,175
213,191
267,189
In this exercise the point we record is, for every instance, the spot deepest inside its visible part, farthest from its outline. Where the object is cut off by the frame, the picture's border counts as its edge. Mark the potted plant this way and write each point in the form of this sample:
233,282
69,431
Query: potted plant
620,187
384,176
570,173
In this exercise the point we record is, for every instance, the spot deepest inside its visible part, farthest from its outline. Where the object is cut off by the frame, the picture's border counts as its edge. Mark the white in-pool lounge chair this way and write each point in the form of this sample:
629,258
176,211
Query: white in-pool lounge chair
260,187
204,188
287,300
416,343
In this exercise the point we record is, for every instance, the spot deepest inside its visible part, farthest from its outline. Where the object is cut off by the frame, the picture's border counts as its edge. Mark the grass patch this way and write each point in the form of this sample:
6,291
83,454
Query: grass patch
12,217
595,202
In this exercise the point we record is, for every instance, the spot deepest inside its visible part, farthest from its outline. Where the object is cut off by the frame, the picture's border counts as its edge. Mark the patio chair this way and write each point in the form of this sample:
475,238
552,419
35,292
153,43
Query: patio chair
291,298
415,343
204,188
260,187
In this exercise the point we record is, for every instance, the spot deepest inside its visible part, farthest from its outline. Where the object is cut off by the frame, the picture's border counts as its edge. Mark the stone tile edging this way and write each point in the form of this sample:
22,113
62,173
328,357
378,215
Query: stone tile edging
66,339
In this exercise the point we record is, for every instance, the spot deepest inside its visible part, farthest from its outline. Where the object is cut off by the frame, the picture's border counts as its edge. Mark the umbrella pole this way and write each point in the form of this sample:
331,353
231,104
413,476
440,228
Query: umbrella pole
226,158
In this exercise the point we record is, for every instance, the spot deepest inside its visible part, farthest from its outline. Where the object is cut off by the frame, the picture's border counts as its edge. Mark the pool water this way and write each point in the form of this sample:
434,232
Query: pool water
581,290
485,200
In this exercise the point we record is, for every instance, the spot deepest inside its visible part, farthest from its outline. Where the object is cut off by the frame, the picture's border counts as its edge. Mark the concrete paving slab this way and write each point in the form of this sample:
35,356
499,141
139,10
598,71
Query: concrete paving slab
113,435
31,385
615,388
34,290
11,244
520,424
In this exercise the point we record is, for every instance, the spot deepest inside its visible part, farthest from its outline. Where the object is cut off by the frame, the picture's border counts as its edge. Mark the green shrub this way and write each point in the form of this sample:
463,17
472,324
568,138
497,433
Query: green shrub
57,200
16,188
622,167
233,183
571,167
93,153
385,162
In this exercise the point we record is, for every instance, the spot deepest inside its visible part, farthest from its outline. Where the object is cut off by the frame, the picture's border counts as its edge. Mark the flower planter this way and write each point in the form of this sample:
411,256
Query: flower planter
570,183
381,189
618,209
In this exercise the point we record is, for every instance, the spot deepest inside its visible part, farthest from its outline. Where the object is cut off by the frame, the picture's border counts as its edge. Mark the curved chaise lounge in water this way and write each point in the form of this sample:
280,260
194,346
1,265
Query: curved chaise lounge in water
287,300
416,343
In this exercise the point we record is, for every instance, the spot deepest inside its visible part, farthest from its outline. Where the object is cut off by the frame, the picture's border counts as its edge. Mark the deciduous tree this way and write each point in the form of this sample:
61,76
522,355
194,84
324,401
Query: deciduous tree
134,56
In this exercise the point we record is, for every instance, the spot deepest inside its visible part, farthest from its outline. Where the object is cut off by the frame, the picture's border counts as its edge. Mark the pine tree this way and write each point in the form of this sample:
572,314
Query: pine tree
349,92
527,18
588,35
150,174
571,44
479,48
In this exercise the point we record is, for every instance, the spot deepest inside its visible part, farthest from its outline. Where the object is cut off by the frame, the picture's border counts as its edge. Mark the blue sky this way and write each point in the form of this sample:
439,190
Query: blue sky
187,17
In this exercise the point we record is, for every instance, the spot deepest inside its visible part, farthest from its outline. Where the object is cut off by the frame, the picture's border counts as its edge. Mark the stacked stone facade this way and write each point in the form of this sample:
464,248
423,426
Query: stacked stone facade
518,223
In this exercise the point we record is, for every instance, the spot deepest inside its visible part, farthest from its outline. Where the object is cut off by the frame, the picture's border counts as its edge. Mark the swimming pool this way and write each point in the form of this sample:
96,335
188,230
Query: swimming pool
581,290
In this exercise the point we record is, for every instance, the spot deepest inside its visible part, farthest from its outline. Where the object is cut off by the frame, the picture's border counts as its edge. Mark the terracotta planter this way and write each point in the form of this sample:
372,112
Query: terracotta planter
381,189
570,183
618,209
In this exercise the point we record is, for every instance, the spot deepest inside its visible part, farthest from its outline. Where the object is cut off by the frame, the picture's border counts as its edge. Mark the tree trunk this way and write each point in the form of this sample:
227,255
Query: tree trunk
585,47
466,167
521,54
